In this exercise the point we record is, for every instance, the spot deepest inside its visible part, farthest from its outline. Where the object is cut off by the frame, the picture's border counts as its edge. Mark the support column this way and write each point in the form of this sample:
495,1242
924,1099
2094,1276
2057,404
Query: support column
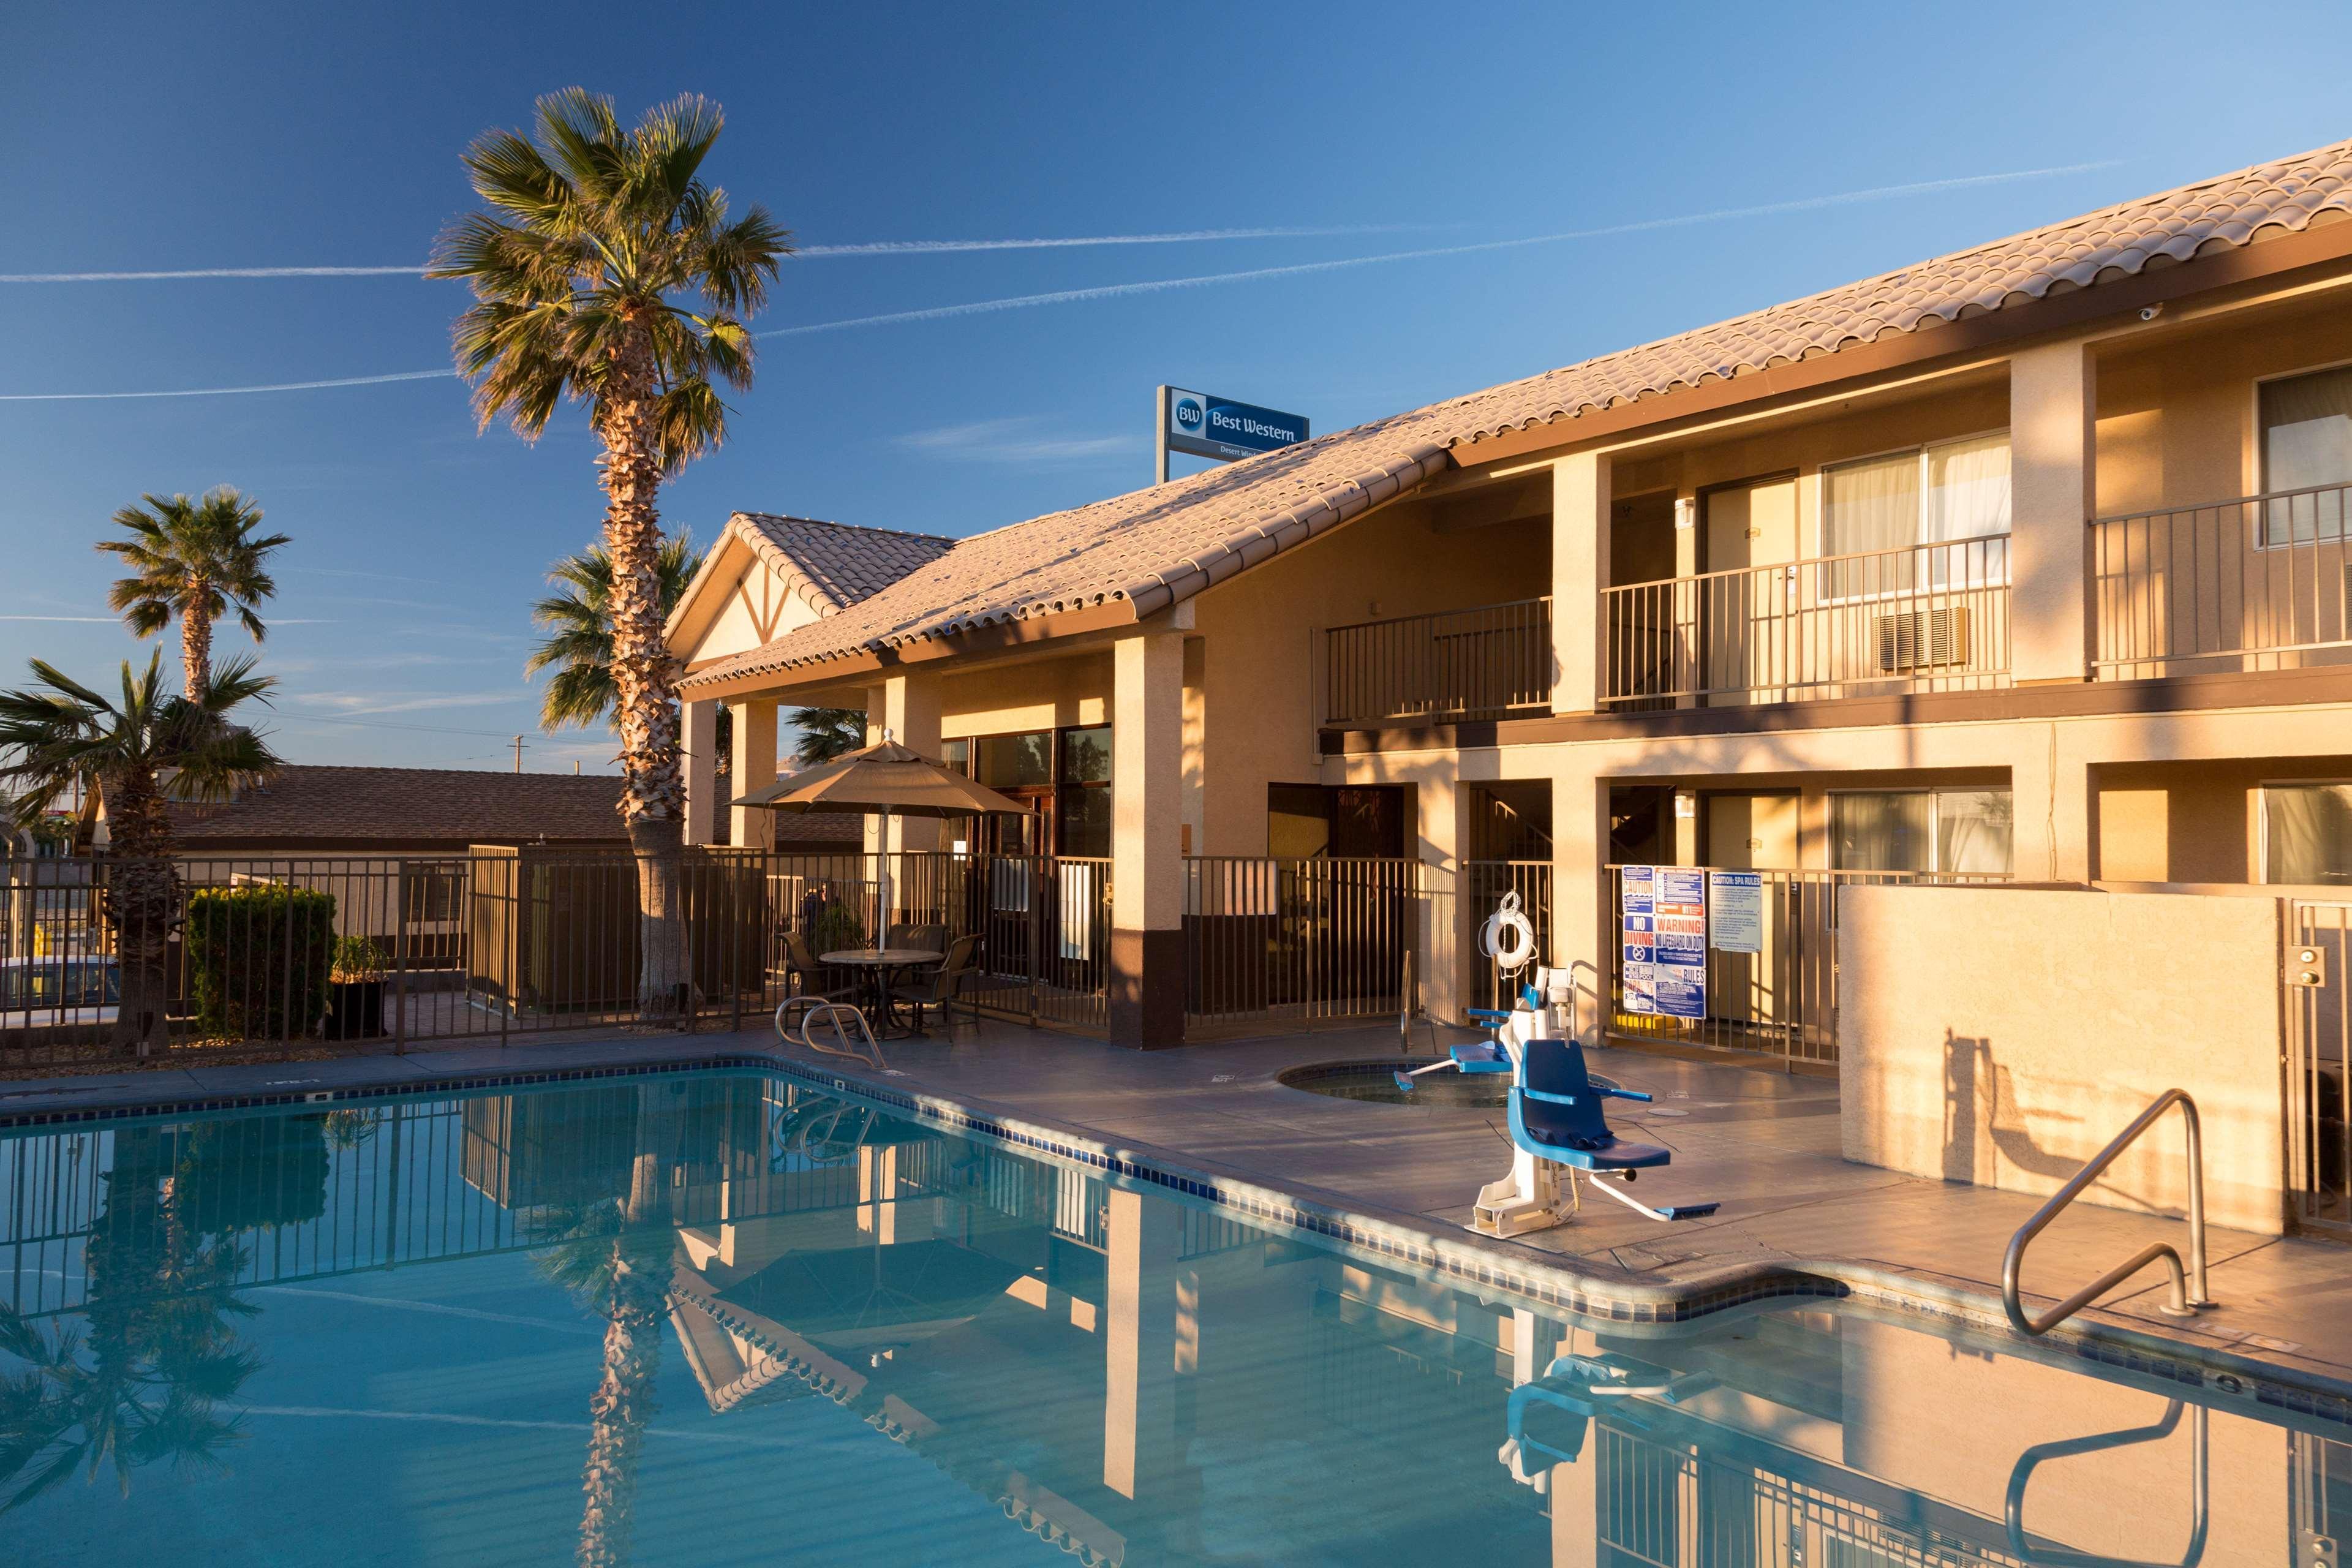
1146,878
2052,457
1581,924
2050,806
753,766
1443,834
911,712
1579,570
701,748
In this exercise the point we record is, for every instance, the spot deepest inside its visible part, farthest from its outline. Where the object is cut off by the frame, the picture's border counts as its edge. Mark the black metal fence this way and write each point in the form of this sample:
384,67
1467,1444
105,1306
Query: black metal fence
1299,941
103,962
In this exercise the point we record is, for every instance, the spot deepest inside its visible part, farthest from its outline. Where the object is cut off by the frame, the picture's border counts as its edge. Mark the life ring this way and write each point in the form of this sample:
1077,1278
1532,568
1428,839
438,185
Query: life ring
1509,937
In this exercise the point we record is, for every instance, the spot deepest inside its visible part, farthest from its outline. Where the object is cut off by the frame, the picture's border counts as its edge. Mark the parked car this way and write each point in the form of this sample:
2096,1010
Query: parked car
59,990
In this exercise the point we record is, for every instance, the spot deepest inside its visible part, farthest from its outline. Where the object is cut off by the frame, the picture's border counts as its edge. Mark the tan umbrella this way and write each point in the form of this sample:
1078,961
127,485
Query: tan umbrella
887,780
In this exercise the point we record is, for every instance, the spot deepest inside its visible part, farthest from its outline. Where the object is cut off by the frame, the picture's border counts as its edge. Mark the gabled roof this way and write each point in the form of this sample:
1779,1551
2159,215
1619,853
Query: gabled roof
1157,546
826,565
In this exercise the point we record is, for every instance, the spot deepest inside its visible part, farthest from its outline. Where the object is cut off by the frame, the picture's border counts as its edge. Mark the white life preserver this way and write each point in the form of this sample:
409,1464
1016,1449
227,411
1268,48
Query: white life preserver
1509,937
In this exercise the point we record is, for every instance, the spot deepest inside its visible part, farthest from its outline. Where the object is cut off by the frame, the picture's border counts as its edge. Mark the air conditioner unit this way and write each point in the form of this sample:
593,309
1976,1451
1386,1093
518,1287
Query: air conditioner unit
1921,639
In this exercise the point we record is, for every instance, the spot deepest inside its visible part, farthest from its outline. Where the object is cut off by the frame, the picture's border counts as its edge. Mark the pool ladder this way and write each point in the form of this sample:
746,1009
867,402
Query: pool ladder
808,1010
2182,1304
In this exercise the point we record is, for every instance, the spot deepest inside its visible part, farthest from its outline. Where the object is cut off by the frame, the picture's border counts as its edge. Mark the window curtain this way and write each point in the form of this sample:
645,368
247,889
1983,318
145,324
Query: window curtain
2306,442
2308,834
1888,831
1866,507
1974,830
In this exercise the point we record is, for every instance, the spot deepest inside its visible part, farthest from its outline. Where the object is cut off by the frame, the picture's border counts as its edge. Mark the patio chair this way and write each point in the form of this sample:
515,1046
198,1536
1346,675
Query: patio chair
808,976
922,938
938,987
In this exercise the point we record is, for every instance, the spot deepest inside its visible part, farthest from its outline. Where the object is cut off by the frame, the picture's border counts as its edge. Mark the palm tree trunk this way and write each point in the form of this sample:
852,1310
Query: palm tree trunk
196,653
625,1398
142,901
653,796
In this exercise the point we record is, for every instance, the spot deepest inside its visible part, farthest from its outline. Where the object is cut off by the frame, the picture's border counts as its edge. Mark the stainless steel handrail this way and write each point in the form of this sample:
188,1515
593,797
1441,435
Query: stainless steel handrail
2182,1304
2021,1474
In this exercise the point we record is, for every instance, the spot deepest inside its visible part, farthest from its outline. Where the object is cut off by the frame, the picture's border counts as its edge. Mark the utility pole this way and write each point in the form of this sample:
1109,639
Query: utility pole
517,754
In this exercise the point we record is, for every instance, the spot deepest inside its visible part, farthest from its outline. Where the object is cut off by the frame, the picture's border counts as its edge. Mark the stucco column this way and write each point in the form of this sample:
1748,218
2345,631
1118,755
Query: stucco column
1439,963
2050,806
911,712
752,765
1147,876
2052,451
1581,923
1193,835
1579,570
701,748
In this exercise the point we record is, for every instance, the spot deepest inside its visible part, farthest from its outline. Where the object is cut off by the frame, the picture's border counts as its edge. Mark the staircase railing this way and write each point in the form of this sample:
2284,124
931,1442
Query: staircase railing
2182,1304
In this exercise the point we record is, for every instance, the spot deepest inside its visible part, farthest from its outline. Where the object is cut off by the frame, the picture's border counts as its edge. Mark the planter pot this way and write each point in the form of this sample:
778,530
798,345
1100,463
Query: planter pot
355,1009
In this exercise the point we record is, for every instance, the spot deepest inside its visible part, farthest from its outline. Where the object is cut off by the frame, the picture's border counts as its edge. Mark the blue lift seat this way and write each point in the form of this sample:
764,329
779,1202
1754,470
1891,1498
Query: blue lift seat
1556,1113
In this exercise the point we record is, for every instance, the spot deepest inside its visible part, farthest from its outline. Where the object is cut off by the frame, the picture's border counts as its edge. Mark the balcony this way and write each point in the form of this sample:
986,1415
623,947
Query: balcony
2260,582
1491,662
1930,617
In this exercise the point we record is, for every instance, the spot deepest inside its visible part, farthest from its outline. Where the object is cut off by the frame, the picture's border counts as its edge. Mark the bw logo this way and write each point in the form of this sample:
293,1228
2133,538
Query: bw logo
1188,414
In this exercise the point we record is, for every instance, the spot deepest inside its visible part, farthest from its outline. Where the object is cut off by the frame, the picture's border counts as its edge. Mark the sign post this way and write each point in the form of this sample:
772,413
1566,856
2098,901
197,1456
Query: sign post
1205,426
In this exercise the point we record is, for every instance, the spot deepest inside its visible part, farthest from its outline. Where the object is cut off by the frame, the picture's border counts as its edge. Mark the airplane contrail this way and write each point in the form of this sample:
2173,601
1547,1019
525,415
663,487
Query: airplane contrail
871,247
1158,285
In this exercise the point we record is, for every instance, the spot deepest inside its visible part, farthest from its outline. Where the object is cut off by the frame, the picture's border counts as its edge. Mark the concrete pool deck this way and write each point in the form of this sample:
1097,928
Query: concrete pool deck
1764,1145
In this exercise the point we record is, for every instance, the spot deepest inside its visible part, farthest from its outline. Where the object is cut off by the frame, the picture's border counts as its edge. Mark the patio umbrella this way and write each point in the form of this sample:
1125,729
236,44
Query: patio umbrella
887,780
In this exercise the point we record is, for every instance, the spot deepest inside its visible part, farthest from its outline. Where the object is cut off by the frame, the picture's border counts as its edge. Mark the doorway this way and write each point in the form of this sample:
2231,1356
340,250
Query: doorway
1745,619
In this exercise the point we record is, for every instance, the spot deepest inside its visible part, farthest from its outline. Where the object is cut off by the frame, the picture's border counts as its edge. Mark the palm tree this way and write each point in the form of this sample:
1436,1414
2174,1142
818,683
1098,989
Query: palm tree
826,732
60,735
195,560
593,237
580,629
617,1256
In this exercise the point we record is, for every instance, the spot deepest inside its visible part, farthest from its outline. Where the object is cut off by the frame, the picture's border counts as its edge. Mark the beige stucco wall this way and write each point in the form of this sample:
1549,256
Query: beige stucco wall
2002,1036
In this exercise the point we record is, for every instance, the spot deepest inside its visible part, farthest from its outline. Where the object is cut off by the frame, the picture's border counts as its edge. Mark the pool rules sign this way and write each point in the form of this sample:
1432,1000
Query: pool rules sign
1662,913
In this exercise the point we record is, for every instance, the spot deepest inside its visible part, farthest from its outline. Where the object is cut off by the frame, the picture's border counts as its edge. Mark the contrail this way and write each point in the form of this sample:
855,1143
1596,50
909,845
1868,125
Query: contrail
1112,290
1158,285
229,391
874,248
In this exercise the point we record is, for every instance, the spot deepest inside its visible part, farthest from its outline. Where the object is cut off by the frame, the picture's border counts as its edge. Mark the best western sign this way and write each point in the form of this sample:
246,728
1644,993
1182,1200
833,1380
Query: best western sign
1209,427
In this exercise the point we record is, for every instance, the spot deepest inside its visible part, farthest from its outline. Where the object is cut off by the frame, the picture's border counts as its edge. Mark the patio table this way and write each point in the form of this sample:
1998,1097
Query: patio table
880,965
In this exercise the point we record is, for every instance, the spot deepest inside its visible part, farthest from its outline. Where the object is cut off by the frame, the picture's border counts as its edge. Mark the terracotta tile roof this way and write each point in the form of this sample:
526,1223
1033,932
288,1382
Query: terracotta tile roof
305,803
826,565
1154,547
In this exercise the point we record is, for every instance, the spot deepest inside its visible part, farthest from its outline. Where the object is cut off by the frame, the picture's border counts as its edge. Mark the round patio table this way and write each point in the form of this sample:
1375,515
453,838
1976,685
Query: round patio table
880,964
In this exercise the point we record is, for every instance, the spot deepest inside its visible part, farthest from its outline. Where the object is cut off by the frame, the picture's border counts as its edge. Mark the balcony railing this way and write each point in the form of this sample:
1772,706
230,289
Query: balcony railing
1931,618
2259,582
1483,663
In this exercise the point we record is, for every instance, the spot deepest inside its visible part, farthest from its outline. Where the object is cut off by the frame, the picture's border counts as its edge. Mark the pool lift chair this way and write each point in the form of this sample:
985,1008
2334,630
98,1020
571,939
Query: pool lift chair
1557,1122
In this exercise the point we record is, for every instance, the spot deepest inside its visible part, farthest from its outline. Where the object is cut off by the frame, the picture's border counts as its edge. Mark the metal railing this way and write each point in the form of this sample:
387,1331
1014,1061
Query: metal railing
2258,582
2182,1304
1482,663
1781,1002
333,955
2020,1476
1931,618
1484,883
1305,940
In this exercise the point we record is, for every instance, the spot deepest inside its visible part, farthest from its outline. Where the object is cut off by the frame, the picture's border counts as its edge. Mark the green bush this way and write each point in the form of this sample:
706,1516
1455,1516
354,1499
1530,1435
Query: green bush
837,929
259,959
357,958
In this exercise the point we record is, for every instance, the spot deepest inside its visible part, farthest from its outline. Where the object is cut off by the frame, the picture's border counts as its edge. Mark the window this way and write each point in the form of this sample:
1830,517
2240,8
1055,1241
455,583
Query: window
1949,832
1015,762
2308,833
428,895
2307,430
956,757
1350,821
1083,806
1944,494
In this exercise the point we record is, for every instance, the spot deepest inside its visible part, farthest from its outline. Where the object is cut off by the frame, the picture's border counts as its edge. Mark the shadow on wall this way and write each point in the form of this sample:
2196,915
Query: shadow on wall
1983,1127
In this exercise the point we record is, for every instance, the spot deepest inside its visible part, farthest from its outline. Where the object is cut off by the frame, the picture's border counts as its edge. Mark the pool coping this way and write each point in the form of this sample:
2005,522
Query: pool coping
1463,1258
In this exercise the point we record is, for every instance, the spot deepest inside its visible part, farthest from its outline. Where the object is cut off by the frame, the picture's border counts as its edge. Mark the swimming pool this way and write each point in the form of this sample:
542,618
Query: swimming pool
719,1318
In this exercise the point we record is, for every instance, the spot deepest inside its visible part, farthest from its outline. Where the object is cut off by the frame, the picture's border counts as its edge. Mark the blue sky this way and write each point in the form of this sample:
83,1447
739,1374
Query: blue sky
163,137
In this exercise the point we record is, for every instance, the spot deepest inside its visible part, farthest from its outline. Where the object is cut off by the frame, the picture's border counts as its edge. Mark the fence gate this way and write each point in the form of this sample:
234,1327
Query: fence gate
2319,1087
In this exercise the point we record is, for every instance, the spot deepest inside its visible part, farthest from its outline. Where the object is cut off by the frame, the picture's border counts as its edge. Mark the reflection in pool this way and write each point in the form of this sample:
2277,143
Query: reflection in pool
718,1320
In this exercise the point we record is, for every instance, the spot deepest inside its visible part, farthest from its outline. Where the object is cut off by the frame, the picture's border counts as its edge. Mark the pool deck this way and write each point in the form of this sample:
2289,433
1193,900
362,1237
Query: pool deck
1762,1144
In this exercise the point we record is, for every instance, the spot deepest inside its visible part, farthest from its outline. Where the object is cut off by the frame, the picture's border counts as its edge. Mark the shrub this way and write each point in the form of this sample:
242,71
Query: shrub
836,928
259,959
357,958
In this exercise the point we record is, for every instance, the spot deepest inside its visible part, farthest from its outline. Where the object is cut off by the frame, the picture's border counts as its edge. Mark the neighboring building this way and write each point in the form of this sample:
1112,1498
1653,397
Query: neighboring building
2029,560
306,809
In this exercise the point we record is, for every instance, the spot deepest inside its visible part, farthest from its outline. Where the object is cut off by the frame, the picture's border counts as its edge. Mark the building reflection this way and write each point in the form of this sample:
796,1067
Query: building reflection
1139,1379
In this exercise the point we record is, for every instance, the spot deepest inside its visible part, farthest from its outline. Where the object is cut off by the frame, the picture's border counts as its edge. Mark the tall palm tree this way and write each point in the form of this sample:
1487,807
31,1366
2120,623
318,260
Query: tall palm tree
60,735
587,269
195,560
578,620
826,732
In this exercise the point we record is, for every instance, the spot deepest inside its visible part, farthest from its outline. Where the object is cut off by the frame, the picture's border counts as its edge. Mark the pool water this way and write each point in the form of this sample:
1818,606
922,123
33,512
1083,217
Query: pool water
721,1319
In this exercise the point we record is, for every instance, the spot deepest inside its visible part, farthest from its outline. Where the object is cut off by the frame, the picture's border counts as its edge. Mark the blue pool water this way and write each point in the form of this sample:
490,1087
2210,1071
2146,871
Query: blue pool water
721,1319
